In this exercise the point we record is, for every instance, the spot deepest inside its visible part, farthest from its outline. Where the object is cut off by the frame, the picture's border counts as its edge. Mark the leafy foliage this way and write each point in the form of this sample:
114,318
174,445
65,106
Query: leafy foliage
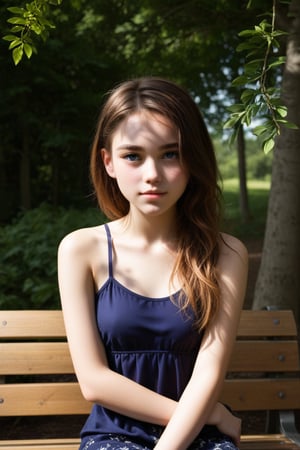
32,20
28,273
260,98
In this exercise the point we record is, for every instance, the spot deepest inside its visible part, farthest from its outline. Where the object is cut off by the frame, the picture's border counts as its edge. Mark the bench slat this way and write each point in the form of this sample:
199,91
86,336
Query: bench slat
261,394
66,398
31,324
68,444
34,324
37,444
265,356
42,399
267,323
40,446
19,358
267,442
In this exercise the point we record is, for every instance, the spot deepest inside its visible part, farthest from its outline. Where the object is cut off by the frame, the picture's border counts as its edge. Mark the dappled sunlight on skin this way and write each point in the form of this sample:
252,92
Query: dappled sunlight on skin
145,120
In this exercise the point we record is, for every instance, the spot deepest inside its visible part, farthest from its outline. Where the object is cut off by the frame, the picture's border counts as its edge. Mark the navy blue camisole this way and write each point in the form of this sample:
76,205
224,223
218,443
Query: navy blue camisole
148,340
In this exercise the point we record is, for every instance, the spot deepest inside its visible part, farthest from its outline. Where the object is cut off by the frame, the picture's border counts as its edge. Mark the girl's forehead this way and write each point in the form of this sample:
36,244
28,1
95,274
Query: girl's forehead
146,124
142,119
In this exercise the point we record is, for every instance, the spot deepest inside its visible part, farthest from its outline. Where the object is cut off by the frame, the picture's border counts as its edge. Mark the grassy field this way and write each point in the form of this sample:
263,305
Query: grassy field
258,193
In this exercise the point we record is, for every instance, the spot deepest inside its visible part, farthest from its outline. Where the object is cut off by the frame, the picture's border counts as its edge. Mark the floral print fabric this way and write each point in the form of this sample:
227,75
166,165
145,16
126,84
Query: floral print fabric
114,442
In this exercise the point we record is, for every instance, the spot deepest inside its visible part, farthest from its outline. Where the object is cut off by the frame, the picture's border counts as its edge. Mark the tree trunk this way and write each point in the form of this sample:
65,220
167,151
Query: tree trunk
244,203
278,281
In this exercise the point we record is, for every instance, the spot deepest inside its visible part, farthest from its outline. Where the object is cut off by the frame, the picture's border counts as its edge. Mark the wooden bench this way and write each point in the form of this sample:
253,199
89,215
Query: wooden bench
263,375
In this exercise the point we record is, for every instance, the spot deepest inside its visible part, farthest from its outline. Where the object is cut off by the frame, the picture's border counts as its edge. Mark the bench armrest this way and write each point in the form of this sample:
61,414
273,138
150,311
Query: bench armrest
288,426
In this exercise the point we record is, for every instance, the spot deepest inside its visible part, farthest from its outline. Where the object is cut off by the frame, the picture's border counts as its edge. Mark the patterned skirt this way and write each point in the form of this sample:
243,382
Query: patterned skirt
207,441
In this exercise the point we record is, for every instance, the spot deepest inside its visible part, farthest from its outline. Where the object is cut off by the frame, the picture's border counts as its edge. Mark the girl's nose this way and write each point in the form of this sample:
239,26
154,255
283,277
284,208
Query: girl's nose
151,171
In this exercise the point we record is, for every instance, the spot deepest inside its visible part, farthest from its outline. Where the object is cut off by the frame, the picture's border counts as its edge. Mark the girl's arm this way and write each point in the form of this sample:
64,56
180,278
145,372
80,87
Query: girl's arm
198,401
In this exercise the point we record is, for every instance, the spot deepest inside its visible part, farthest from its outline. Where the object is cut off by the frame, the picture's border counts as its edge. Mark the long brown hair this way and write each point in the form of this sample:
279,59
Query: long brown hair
198,208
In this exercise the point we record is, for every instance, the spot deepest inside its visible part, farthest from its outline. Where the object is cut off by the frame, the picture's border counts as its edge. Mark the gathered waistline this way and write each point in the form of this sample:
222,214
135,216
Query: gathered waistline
152,352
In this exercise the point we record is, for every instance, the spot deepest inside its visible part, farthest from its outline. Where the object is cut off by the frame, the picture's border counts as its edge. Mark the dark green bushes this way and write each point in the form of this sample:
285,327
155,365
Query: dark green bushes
28,266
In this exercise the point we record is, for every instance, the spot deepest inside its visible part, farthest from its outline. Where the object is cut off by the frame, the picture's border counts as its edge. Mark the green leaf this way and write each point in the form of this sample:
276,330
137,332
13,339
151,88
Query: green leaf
243,46
291,125
280,33
46,23
278,62
15,43
268,145
28,50
237,108
283,121
256,109
17,21
233,136
260,129
232,121
17,28
245,33
275,43
248,95
254,63
282,111
17,54
240,81
9,37
16,10
36,28
247,119
256,51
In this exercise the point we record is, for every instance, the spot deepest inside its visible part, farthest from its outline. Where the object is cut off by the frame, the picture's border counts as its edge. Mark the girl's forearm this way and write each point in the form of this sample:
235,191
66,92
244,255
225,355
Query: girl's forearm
196,408
126,397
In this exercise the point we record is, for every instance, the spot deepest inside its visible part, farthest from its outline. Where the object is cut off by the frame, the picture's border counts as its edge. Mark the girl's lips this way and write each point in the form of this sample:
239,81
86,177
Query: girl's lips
152,193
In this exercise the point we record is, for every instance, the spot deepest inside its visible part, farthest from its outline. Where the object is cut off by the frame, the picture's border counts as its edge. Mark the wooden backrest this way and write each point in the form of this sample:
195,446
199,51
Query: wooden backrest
39,376
264,369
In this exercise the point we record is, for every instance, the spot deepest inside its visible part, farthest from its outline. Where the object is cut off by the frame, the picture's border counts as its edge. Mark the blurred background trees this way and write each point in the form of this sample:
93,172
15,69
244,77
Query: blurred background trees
50,103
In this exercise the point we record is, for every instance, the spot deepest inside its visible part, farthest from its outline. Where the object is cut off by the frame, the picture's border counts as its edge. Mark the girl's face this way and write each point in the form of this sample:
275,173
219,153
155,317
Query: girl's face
145,161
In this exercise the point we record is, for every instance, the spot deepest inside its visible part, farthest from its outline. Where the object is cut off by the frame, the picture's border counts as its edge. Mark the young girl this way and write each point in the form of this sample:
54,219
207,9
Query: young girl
152,300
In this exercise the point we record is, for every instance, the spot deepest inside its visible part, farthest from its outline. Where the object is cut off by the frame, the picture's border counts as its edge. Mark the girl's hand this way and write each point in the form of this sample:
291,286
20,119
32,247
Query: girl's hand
226,422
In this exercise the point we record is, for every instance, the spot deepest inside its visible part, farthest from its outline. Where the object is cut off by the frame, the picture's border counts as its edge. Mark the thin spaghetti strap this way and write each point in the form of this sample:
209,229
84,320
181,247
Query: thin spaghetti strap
109,245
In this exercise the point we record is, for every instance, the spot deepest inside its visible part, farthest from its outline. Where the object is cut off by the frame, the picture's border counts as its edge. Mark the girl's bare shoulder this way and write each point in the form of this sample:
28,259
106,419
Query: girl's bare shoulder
82,240
230,244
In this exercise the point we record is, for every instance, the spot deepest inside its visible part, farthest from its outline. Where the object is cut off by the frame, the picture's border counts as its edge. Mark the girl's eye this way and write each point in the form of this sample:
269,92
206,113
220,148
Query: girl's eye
174,154
132,157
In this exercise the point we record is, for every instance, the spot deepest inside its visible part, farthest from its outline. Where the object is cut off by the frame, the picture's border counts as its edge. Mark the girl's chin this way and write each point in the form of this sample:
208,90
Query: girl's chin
155,211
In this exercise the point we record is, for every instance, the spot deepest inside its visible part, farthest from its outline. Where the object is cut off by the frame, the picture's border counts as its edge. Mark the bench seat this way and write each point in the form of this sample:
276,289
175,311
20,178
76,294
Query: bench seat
37,376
